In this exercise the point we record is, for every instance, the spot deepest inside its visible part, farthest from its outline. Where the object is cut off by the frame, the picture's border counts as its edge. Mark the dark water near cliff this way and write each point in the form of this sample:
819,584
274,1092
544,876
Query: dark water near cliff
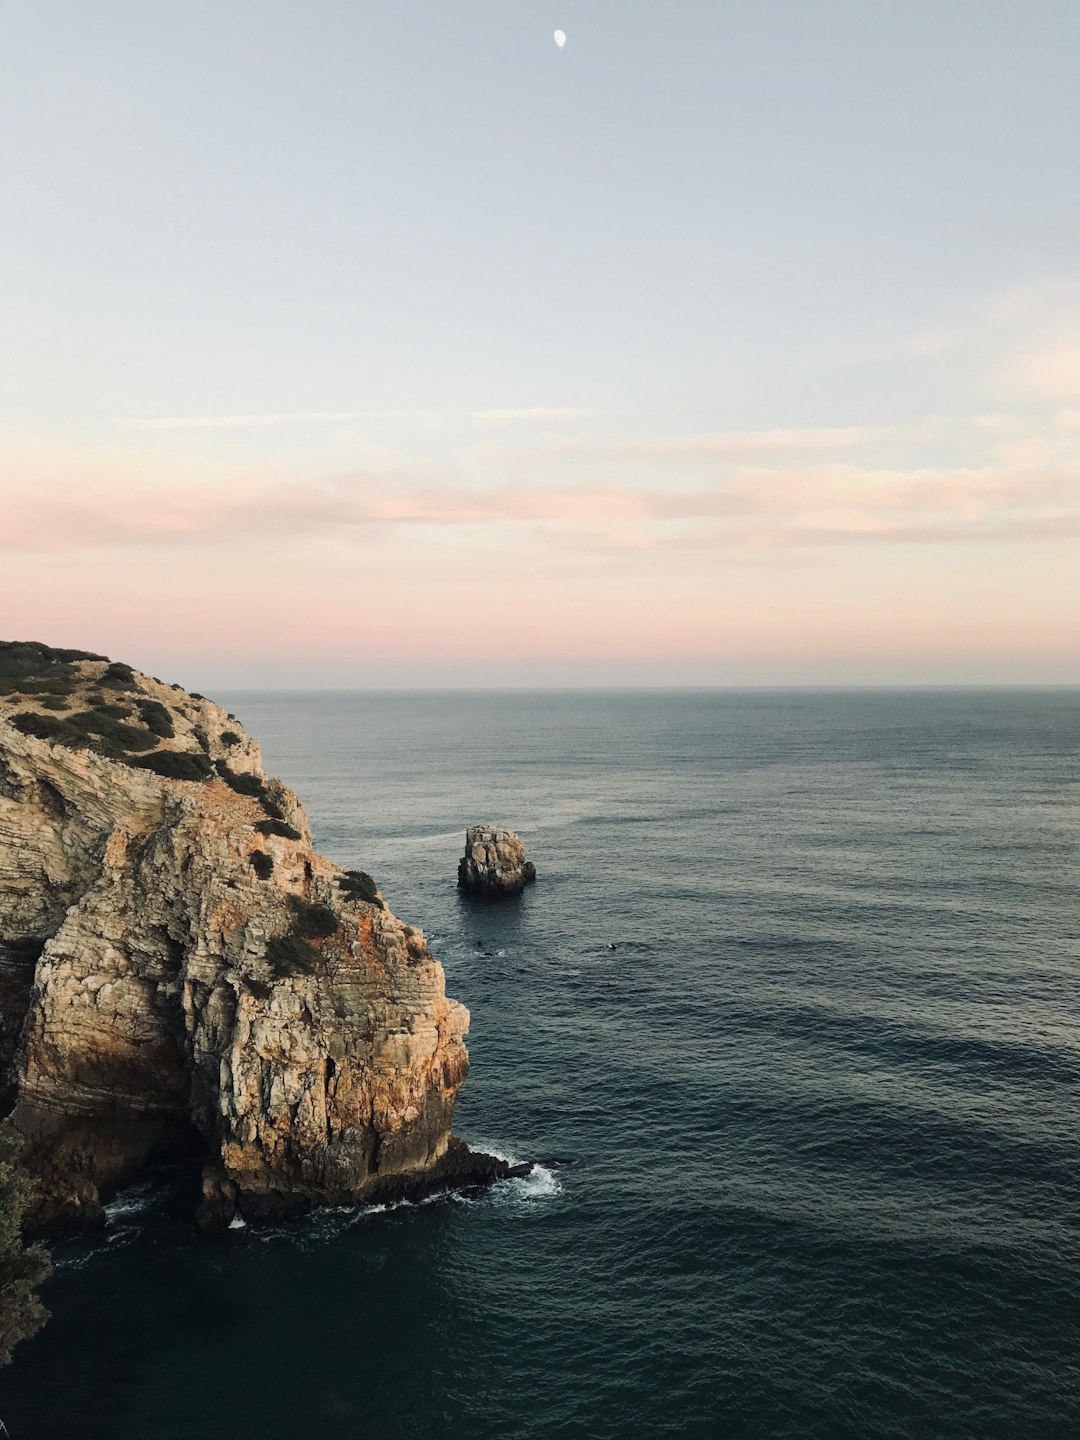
795,1004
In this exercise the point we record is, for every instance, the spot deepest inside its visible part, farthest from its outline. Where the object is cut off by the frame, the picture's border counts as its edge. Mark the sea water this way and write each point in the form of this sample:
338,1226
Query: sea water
789,1024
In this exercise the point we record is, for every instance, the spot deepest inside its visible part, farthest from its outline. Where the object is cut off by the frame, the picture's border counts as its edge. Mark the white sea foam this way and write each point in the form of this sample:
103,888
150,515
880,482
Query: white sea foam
129,1203
541,1183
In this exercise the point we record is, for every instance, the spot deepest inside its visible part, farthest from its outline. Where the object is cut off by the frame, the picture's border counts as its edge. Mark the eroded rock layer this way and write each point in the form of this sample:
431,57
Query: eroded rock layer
180,969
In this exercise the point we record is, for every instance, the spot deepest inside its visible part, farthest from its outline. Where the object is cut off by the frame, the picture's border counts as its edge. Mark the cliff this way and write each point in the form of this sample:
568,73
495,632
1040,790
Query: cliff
181,972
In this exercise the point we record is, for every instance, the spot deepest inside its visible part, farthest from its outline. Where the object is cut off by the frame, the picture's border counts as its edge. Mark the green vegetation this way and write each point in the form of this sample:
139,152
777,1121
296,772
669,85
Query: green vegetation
107,725
157,719
313,922
29,668
22,1268
22,659
262,864
57,684
176,764
109,710
358,885
252,785
88,729
118,675
243,784
41,727
277,827
114,734
230,738
290,955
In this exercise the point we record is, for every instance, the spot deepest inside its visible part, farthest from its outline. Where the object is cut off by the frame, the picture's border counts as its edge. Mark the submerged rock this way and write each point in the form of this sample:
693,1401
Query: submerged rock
494,862
182,972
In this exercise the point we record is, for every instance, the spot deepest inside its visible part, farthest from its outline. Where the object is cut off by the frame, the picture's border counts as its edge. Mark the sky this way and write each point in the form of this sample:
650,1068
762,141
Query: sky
388,344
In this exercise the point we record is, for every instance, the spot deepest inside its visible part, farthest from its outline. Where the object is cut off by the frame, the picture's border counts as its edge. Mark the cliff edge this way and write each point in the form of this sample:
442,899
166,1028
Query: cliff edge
181,972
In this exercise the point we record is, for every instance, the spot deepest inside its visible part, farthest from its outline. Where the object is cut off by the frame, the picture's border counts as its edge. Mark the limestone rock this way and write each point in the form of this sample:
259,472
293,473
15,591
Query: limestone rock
180,971
494,863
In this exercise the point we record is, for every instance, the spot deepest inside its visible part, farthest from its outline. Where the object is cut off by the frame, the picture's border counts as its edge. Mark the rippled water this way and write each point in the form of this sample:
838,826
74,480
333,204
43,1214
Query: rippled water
791,1018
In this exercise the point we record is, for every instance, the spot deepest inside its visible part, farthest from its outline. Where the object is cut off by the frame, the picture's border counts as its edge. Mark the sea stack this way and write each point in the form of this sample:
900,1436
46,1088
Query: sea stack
182,973
494,863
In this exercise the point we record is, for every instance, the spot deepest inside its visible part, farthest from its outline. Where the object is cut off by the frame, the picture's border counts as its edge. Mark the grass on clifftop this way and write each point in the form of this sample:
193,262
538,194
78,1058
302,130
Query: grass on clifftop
105,709
252,785
175,764
25,659
116,721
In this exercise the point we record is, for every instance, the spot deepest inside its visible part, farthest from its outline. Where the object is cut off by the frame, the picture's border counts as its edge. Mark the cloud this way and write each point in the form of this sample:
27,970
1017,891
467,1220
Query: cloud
325,417
705,448
230,422
58,499
1049,372
535,412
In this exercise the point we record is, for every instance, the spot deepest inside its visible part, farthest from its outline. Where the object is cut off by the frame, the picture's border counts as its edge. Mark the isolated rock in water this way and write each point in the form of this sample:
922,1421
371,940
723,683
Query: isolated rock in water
494,862
181,972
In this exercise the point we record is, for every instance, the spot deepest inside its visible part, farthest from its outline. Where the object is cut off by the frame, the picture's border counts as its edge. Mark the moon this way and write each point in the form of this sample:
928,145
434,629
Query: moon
560,38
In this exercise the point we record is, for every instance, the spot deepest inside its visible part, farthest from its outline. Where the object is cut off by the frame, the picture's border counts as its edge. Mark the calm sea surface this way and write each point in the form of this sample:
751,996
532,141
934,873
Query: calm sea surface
791,1019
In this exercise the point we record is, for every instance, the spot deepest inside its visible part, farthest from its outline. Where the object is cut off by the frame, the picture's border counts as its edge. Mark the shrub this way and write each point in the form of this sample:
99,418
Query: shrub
41,727
157,719
55,702
243,784
20,658
56,684
22,1268
252,785
262,864
114,733
176,764
126,737
277,827
201,738
96,729
314,922
290,955
230,737
195,695
358,885
118,675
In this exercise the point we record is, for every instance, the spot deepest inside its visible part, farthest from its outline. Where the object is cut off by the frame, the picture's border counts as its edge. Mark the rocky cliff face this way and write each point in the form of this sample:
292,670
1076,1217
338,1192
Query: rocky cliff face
180,970
494,863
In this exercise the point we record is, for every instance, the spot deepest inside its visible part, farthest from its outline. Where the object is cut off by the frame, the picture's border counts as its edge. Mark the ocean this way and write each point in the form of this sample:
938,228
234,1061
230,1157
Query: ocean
789,1024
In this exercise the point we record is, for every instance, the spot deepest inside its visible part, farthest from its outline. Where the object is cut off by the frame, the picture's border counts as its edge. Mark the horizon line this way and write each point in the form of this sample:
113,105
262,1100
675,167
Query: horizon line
656,689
